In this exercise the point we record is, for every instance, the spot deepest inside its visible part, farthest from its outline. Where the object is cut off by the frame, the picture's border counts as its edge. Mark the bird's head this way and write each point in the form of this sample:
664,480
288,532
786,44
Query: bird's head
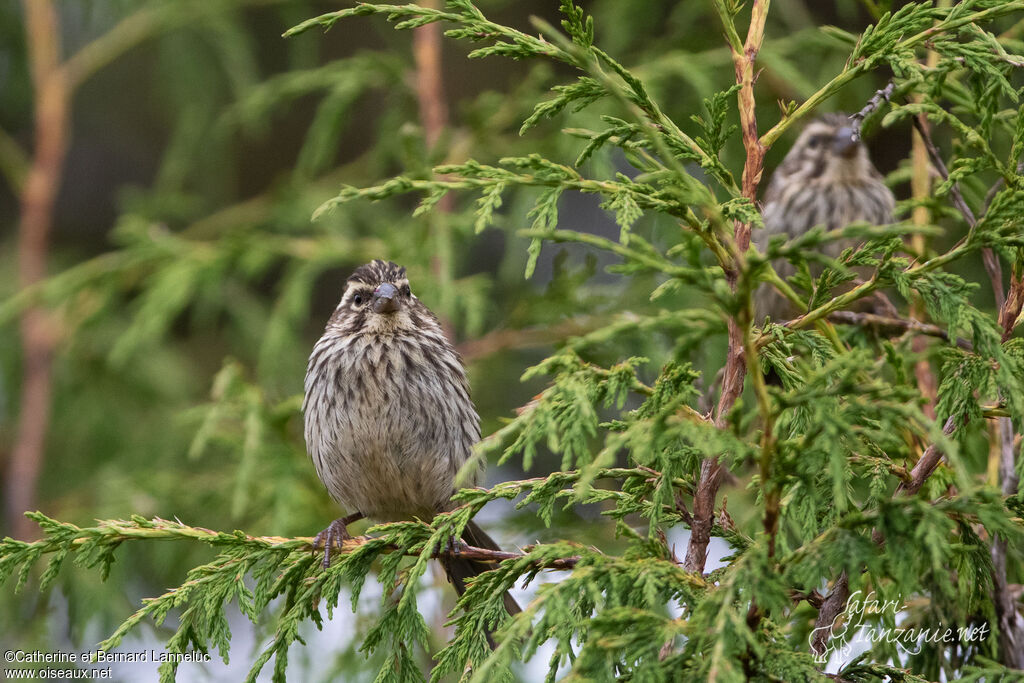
378,299
827,151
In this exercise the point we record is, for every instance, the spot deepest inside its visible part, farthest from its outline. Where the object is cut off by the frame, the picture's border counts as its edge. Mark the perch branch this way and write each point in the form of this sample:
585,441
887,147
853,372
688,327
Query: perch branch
62,535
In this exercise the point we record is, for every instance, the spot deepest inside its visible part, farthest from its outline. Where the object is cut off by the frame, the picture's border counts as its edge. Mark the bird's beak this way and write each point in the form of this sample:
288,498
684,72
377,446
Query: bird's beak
385,299
844,143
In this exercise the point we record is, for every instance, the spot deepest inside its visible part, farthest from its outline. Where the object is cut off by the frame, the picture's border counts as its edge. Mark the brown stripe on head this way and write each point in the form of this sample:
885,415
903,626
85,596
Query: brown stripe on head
835,119
364,281
376,272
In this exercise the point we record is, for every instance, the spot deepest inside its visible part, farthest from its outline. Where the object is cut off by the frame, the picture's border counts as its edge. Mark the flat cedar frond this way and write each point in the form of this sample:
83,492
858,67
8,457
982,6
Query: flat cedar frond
708,481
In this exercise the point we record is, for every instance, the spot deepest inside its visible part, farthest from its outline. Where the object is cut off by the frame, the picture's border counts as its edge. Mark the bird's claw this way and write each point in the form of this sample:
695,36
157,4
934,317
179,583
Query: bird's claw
332,537
453,546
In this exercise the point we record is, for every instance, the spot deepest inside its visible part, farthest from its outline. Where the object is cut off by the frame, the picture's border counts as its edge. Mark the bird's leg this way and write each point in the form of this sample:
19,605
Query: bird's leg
334,534
454,546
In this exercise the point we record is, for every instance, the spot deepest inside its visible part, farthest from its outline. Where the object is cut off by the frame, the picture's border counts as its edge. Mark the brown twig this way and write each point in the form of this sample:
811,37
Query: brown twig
1012,304
828,609
927,463
921,189
710,479
1011,636
753,167
429,83
38,340
835,601
504,340
433,111
903,324
988,257
873,104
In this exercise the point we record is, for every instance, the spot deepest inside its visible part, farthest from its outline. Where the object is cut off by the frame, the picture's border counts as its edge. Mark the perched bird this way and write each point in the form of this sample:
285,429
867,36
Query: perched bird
388,416
826,179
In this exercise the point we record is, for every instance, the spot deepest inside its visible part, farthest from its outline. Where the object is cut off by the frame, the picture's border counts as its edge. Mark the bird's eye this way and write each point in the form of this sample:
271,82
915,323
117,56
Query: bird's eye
358,299
814,141
406,290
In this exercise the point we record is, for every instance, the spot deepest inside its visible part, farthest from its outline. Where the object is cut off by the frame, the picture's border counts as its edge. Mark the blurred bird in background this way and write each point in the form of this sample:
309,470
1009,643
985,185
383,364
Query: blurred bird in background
826,179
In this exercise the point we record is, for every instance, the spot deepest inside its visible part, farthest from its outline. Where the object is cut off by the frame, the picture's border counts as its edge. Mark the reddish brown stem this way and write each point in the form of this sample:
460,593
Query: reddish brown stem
753,167
927,463
921,189
1011,635
429,83
504,340
1012,305
735,364
988,256
831,607
890,323
433,109
37,200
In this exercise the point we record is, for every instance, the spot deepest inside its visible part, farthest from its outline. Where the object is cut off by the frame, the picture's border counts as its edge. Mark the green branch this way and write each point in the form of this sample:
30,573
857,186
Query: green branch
863,64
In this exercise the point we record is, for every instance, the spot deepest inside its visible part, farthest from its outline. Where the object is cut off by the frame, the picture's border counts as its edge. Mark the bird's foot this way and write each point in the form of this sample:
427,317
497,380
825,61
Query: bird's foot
453,546
334,535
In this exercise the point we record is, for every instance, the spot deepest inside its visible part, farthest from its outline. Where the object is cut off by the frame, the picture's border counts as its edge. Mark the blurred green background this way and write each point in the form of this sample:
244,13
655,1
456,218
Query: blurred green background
188,282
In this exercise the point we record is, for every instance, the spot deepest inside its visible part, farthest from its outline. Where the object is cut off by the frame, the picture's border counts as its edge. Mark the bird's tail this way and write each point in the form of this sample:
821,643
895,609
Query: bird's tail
460,569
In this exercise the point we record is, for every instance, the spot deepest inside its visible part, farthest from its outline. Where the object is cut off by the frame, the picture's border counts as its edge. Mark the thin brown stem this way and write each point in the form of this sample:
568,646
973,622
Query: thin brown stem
988,257
872,106
831,607
429,82
1011,636
505,340
921,189
433,110
835,602
1013,304
743,63
886,323
39,192
927,463
736,358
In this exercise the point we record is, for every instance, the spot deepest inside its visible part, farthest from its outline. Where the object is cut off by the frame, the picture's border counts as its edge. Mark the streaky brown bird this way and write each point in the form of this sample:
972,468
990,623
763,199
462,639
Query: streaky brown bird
388,416
826,179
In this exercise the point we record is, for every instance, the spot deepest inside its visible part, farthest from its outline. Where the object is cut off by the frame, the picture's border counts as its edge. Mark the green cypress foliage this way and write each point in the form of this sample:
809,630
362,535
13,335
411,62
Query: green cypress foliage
841,484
